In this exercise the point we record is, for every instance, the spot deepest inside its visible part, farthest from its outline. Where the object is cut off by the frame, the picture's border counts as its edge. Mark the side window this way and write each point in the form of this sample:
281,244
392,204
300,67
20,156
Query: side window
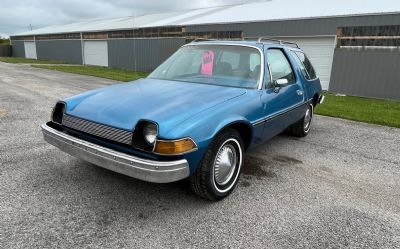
280,66
308,66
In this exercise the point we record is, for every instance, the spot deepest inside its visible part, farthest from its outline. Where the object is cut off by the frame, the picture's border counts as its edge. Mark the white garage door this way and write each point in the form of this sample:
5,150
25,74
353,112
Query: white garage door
30,50
320,51
96,53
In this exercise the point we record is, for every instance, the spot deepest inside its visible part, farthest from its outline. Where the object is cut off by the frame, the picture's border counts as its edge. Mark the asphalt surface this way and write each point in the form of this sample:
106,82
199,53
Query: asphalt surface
338,187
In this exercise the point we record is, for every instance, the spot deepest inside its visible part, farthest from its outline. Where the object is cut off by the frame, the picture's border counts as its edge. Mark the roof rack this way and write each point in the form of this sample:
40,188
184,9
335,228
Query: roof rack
203,39
280,42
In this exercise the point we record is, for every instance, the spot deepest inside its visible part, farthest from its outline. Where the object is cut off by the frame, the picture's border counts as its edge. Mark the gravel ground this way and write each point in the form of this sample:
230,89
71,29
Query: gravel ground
338,187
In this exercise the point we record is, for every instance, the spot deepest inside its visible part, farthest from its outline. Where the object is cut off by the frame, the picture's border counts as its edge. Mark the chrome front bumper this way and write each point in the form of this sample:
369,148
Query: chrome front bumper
143,169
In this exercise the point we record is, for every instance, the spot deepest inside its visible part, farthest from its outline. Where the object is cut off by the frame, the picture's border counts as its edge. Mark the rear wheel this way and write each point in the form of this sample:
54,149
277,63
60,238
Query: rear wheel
218,173
302,127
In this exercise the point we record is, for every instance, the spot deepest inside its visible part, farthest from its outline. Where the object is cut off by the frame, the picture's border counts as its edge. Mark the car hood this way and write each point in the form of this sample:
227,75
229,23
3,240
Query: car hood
166,102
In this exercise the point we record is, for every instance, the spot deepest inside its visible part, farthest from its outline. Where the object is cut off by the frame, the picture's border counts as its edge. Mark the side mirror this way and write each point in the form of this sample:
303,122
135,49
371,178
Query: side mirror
281,82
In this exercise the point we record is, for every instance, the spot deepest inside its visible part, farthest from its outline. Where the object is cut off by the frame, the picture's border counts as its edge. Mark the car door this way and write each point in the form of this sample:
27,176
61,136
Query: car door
282,103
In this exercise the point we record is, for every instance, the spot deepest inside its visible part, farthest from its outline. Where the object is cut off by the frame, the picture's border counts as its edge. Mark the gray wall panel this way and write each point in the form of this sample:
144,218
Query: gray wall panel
146,53
69,51
5,50
304,27
18,49
366,72
120,54
168,47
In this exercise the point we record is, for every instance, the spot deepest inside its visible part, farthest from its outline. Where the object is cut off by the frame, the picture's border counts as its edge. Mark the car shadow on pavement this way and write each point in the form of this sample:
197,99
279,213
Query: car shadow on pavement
116,186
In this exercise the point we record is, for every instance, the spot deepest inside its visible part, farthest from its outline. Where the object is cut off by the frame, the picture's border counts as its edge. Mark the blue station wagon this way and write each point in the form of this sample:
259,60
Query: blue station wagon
194,116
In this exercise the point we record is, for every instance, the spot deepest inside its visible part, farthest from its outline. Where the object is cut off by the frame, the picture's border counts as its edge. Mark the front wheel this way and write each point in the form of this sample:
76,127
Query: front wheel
218,172
302,127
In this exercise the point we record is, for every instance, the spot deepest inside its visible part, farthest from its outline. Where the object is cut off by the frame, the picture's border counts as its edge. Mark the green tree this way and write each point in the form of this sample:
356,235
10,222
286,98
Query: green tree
4,41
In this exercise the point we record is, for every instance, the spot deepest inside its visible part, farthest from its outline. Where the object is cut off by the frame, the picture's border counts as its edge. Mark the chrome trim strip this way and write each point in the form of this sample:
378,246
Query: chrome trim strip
270,75
216,43
259,122
268,118
143,169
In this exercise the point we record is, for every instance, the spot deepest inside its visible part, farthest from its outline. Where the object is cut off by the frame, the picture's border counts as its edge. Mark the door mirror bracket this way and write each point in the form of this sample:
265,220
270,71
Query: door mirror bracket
278,84
281,82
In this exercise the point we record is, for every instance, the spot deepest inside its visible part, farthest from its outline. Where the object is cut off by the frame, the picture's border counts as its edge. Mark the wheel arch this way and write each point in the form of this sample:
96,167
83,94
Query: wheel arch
245,129
315,99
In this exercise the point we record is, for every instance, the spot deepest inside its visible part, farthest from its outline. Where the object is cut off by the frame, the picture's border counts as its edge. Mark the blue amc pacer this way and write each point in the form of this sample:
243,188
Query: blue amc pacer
194,116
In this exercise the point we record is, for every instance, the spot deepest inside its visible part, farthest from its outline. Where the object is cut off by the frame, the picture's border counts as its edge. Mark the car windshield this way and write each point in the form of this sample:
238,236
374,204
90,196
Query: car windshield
223,65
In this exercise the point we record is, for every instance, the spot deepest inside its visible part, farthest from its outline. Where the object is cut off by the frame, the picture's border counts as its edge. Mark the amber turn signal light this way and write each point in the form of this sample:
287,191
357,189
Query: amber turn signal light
175,147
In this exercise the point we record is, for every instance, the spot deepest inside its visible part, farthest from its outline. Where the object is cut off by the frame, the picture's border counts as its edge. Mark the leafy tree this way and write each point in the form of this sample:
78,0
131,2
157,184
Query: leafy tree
4,41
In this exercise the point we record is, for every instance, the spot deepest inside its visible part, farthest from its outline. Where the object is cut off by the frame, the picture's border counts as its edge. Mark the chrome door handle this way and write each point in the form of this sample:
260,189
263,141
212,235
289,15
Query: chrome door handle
299,92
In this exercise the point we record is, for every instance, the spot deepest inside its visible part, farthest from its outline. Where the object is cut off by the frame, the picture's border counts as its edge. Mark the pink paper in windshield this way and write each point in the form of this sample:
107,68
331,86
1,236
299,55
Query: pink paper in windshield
207,62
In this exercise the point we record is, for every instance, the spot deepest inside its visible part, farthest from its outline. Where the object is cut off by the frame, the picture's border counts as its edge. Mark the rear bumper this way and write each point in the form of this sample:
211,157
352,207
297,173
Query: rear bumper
143,169
321,99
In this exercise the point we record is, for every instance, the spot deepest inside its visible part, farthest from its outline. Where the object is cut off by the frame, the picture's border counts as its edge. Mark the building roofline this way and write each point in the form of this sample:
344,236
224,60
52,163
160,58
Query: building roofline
297,19
188,18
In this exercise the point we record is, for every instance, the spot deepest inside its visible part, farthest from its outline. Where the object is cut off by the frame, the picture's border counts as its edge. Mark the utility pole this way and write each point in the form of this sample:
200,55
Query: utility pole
134,42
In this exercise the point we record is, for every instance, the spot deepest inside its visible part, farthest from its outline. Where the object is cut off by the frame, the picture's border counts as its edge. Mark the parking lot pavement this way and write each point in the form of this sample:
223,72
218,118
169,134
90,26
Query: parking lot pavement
338,187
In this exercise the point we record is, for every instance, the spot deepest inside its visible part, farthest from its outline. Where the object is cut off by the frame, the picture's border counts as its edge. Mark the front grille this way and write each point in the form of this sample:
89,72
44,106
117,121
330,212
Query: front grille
98,130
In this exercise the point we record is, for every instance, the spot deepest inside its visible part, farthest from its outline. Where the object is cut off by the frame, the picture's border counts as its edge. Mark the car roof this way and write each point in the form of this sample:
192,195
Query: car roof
251,43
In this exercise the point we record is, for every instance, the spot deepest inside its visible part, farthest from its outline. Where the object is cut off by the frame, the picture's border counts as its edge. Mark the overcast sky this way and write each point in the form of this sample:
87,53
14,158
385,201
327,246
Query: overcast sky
17,15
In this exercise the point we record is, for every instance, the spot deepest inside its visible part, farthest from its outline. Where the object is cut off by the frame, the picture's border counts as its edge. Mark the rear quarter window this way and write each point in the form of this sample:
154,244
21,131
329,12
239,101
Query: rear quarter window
305,64
301,65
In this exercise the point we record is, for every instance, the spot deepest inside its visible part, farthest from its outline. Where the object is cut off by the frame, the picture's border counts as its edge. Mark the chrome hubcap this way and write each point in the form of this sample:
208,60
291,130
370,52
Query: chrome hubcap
307,119
225,164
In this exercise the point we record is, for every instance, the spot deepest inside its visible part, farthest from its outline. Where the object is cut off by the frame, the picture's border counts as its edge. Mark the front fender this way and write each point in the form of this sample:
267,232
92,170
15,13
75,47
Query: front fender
208,130
204,126
203,132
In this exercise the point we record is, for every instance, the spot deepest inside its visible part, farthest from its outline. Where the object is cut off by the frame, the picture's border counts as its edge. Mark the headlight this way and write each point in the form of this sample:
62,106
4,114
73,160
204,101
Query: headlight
150,133
57,113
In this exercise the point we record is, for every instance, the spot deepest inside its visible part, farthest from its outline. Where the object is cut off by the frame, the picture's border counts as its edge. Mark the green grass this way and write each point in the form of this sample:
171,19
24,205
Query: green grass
374,111
30,61
103,72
